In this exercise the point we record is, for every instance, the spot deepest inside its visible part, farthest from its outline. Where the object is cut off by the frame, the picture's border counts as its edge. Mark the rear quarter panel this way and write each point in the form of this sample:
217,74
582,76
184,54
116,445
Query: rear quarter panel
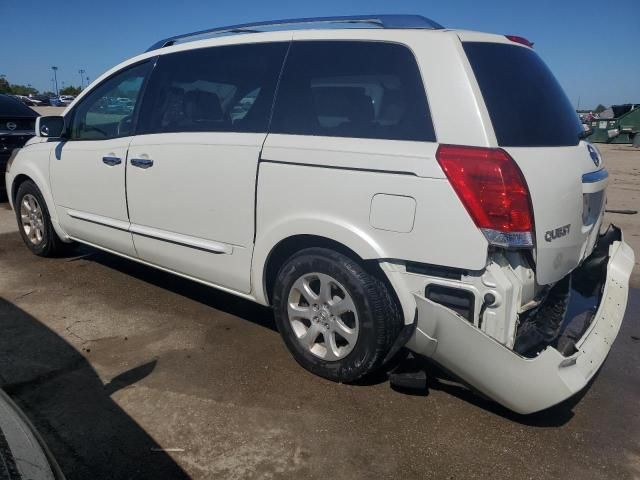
325,186
336,204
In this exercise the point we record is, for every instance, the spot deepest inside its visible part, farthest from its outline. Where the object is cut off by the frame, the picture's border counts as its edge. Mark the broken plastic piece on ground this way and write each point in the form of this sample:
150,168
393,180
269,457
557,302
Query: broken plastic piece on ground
409,377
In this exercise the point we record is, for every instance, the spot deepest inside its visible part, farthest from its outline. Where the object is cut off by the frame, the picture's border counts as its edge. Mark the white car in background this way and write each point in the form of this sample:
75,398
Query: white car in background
66,99
402,185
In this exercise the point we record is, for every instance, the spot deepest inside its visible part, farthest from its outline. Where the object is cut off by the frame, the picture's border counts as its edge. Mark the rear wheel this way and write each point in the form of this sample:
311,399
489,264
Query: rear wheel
337,320
34,221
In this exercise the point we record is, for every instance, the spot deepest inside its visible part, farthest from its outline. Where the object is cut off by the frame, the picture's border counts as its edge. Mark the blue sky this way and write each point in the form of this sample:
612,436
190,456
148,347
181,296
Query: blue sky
591,45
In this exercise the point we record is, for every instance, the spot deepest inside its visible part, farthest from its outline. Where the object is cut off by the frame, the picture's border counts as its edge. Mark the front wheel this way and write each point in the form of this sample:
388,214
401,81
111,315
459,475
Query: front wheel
34,221
337,320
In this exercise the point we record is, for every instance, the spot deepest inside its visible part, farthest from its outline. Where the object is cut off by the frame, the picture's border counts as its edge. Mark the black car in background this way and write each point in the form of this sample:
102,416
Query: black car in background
17,125
45,100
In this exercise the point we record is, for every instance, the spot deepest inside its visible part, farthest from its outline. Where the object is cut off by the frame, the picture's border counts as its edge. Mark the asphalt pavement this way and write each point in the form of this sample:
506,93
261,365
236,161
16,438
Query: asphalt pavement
129,372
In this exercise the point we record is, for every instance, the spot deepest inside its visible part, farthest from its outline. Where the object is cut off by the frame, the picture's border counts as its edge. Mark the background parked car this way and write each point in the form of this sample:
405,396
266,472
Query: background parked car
30,102
44,100
66,99
17,125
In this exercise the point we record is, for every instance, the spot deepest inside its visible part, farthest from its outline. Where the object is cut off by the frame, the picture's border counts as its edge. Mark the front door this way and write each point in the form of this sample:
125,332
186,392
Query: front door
88,168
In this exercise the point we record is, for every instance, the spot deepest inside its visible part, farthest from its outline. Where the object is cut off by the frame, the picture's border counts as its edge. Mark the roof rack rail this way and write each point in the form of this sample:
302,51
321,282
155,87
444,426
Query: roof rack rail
382,21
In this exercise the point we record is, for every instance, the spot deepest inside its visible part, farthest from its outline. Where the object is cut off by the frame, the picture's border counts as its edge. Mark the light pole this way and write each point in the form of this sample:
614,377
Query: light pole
81,72
55,79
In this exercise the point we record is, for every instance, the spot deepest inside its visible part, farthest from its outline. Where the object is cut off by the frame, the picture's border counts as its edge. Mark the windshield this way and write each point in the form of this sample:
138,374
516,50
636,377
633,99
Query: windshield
527,105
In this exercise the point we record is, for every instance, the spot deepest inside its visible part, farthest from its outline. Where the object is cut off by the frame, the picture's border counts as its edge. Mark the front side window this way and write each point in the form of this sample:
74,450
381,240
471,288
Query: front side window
352,89
227,88
107,112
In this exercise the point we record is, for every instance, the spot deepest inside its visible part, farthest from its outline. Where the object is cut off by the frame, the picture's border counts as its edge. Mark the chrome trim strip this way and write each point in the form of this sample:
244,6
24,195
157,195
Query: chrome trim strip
16,133
154,233
99,219
184,240
596,176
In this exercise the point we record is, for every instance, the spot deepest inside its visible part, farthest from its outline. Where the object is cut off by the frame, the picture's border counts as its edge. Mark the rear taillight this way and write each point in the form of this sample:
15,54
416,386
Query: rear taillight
520,40
493,190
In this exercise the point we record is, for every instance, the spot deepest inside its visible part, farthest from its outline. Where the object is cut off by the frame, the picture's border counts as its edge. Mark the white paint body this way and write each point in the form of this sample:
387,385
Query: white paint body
215,205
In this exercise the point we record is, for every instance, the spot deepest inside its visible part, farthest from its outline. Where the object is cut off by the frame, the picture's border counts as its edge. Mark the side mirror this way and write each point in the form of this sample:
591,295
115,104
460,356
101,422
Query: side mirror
50,127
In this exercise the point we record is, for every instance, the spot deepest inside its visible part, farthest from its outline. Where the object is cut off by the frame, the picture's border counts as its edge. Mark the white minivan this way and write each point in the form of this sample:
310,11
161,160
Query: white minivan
382,182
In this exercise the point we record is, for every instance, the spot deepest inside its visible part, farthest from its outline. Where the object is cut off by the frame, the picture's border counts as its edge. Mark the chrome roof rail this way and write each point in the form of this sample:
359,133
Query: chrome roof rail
381,21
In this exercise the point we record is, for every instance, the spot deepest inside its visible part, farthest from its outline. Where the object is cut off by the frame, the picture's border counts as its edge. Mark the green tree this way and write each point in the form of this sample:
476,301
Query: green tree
600,108
4,85
23,90
70,90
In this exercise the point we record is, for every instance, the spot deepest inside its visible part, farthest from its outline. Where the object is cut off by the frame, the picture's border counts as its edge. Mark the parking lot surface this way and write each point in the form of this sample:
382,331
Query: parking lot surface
129,372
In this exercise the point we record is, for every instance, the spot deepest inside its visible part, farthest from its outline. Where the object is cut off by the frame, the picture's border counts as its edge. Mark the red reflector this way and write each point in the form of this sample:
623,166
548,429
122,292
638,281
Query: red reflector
520,40
490,185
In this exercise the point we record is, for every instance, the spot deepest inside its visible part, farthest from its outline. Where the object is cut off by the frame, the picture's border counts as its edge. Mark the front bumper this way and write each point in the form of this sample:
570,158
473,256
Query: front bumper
526,385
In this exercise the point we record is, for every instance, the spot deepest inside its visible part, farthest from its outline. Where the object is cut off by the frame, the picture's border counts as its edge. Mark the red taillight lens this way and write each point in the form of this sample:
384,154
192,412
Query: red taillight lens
493,191
520,40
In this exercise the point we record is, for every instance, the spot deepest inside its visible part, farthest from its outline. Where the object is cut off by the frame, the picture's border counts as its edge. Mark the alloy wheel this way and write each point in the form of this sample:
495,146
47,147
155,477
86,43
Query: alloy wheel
32,219
323,316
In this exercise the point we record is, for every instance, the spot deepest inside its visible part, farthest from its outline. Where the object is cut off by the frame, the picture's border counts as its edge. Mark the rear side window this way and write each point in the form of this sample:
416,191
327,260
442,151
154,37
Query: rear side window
352,89
218,89
527,106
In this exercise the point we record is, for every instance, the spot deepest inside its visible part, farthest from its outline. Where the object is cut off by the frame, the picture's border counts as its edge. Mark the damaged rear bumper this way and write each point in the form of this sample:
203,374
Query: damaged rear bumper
527,385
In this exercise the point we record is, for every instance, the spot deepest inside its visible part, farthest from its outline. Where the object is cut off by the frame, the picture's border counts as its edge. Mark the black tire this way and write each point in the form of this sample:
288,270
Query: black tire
50,245
379,316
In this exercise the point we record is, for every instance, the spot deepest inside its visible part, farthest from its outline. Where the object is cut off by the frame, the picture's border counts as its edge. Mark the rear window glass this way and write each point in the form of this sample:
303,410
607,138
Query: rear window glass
352,89
527,106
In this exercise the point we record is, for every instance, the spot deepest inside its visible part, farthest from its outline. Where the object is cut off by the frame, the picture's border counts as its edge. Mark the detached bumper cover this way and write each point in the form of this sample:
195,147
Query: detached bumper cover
526,385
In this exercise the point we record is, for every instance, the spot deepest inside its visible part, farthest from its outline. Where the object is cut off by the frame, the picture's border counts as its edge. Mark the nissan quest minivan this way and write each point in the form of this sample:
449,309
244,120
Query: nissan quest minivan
381,181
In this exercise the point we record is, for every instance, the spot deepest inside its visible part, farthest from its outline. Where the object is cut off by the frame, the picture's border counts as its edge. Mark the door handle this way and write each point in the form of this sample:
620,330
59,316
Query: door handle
142,162
111,161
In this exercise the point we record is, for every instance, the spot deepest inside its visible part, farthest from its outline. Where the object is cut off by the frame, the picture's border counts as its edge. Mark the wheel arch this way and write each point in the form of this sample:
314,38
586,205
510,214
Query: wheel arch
15,185
34,176
292,245
267,261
